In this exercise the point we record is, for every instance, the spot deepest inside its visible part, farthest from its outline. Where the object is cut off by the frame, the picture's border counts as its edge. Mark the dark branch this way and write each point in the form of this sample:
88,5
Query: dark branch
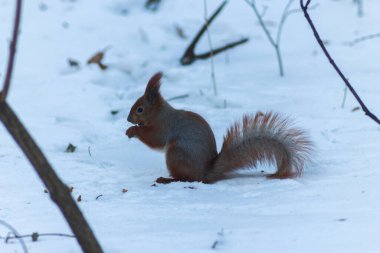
189,53
345,80
307,3
190,56
35,236
58,191
12,52
221,49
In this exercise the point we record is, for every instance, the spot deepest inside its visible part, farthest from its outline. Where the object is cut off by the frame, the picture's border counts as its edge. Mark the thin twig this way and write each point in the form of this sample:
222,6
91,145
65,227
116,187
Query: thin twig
190,56
344,97
14,231
89,151
218,241
221,49
12,52
284,16
211,50
213,246
307,4
275,43
364,38
35,236
297,10
360,7
178,97
262,24
345,80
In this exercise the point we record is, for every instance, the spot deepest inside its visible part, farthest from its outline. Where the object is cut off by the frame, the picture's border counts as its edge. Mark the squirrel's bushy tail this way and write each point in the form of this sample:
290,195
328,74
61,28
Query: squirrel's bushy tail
266,139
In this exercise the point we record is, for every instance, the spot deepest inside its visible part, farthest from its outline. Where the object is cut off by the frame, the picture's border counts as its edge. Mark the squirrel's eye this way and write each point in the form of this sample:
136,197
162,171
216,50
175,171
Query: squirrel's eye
140,109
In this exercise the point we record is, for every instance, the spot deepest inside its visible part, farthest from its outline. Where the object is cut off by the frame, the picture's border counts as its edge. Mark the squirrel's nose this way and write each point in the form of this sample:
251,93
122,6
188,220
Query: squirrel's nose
129,118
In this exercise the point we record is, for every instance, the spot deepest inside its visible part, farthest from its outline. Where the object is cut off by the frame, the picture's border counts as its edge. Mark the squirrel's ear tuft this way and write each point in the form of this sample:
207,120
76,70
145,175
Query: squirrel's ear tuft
152,91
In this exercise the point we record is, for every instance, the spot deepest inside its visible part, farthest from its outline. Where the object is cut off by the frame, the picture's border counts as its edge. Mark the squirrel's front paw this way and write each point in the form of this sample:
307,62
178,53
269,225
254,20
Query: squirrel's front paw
131,132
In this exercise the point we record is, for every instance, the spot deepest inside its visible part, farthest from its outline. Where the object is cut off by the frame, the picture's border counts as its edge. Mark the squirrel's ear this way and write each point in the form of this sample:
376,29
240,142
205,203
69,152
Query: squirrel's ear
152,91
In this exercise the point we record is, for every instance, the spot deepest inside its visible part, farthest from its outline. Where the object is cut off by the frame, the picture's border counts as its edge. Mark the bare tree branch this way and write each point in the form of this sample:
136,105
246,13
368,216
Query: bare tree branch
275,43
304,8
12,52
307,4
221,49
59,192
190,56
261,21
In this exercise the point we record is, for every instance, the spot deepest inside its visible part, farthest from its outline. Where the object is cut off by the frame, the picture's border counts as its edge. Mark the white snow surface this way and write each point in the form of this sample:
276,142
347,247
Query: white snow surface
333,207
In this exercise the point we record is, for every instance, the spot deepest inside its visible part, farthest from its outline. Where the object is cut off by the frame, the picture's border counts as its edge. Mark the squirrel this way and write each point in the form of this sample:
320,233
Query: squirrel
190,146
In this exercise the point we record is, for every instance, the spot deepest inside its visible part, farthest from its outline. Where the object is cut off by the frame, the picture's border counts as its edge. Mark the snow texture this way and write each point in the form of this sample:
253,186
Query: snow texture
333,207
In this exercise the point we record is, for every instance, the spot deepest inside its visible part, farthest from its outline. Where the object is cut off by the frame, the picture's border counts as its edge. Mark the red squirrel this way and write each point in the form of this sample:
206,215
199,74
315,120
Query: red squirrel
190,147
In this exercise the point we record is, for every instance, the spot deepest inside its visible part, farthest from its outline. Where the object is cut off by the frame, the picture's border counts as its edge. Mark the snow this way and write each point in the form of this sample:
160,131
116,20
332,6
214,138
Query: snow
333,207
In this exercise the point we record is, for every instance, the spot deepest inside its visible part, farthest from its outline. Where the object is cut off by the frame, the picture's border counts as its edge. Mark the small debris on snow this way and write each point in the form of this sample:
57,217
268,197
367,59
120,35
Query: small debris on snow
70,148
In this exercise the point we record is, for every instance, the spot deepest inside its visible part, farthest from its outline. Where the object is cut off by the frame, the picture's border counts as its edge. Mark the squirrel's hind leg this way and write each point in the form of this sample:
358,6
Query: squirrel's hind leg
284,169
181,165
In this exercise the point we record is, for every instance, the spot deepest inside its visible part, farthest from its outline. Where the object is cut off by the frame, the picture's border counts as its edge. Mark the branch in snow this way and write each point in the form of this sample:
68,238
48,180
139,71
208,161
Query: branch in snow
34,236
12,52
190,56
304,8
59,192
274,42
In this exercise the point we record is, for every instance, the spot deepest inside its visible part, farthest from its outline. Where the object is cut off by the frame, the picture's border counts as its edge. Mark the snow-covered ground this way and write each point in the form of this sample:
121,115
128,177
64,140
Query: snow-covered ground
333,207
